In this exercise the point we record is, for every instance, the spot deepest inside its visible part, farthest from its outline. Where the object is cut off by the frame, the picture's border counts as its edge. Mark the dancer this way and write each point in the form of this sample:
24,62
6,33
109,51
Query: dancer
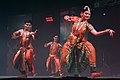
23,59
78,52
53,62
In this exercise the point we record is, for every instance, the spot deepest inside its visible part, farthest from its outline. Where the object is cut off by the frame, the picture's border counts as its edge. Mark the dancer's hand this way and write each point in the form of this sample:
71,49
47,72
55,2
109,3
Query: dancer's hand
45,45
67,18
33,34
36,30
14,37
110,31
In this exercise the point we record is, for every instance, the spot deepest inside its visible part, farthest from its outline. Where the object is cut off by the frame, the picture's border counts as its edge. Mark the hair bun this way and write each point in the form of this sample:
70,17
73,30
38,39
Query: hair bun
87,8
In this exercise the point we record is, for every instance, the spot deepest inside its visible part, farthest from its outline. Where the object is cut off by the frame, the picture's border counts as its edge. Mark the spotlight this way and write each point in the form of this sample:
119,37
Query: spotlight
104,14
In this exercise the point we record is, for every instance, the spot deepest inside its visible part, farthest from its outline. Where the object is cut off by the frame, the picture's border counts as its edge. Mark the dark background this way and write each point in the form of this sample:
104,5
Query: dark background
13,13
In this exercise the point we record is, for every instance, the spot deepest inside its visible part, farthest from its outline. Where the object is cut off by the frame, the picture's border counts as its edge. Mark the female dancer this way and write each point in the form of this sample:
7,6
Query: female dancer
78,52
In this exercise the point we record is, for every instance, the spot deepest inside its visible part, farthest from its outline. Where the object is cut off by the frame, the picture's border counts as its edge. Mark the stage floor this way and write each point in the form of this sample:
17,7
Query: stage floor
51,77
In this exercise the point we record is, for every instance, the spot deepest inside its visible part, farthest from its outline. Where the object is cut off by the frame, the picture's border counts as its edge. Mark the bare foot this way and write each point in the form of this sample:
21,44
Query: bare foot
61,75
96,74
22,76
76,75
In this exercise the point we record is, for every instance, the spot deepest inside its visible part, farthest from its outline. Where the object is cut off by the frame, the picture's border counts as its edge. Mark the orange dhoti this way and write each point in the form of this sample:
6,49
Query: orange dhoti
29,60
24,57
53,64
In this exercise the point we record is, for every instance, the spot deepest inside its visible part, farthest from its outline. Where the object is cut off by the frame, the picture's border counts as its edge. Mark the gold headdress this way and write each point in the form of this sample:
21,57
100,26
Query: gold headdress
87,8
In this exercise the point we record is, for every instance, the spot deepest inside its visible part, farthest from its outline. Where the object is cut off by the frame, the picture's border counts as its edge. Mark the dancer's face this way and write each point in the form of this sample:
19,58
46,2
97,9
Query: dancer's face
56,39
27,26
86,15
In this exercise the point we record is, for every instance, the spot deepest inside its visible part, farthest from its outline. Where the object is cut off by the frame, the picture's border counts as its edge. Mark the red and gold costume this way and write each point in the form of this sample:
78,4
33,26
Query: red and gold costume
23,60
77,52
53,62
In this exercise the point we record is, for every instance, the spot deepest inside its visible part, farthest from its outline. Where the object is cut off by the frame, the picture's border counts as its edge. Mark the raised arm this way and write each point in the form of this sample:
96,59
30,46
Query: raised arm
33,33
15,34
71,18
47,44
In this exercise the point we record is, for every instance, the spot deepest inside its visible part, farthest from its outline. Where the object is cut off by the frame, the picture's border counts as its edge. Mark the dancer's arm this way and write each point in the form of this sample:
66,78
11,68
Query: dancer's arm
15,34
47,44
71,18
60,46
33,34
97,33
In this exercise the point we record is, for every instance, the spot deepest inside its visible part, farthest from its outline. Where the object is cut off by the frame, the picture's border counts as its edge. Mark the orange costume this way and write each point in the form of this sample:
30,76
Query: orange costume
23,60
53,62
77,52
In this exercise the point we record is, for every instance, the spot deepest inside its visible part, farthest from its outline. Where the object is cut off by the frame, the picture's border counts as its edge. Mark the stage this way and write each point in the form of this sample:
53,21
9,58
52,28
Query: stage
51,77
